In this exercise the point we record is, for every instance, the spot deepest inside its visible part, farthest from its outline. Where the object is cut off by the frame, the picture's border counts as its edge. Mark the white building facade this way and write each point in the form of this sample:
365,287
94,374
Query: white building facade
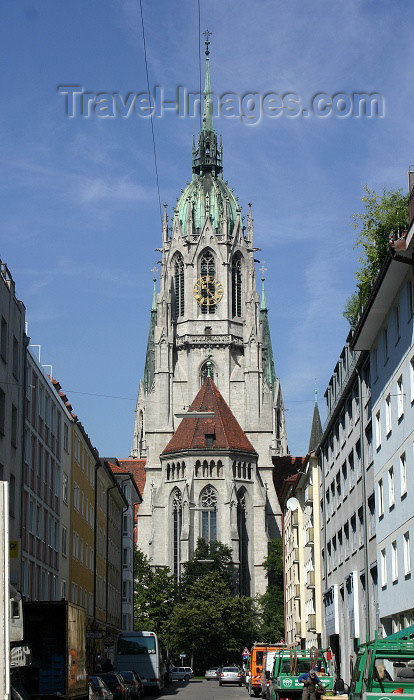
385,330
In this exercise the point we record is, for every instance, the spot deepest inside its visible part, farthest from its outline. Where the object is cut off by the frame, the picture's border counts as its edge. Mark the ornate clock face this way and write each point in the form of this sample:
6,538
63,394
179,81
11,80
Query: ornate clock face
208,291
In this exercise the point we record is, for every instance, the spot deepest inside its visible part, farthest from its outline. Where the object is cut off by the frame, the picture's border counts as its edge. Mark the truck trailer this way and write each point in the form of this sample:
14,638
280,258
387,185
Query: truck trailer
55,632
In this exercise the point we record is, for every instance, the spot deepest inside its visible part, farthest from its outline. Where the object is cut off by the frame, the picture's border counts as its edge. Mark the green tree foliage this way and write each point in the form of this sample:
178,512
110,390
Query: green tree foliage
155,594
210,625
208,557
385,214
272,625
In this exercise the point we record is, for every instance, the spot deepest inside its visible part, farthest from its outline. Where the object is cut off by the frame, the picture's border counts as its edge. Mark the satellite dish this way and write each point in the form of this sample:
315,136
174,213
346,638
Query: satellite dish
292,503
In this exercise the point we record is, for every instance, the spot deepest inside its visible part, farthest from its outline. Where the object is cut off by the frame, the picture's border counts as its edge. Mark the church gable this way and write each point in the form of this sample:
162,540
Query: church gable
221,431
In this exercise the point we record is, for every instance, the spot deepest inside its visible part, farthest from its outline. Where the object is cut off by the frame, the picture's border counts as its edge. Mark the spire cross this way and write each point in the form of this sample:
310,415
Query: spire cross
263,269
154,271
207,34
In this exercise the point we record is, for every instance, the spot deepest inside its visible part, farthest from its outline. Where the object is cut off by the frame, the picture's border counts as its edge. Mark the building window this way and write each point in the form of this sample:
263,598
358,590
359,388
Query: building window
400,398
2,411
410,299
76,496
385,340
354,533
244,575
407,554
391,488
388,417
236,287
371,515
397,323
14,426
177,520
380,498
15,358
403,474
378,429
383,568
394,561
3,340
209,515
178,287
66,437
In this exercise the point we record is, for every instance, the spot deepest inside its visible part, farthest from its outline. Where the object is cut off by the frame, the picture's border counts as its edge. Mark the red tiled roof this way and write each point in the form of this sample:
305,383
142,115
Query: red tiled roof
191,432
136,467
285,470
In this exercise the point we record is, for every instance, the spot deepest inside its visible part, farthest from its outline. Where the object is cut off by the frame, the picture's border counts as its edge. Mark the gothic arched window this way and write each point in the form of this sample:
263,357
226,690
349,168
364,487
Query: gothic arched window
208,502
244,582
178,287
177,521
208,269
141,434
207,369
236,286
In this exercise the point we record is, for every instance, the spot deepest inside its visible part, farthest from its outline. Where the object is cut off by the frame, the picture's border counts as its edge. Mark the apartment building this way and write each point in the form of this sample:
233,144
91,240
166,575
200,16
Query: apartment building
347,510
127,484
12,352
44,416
385,332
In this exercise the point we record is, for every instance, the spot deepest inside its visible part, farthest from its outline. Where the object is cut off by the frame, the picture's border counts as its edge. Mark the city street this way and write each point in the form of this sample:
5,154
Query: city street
198,689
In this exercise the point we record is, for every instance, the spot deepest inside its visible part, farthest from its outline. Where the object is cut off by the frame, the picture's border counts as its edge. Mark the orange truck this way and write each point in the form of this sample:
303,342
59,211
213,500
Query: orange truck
257,666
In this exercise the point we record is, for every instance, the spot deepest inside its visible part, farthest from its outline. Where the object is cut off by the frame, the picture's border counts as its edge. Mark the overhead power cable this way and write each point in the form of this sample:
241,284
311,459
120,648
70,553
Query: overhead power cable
151,114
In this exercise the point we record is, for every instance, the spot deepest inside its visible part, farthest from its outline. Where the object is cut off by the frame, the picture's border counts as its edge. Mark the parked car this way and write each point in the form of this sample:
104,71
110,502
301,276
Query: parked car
100,688
134,684
231,674
115,682
181,673
212,674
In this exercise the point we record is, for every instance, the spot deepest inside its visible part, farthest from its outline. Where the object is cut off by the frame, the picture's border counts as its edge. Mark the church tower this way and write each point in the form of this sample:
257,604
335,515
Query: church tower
209,354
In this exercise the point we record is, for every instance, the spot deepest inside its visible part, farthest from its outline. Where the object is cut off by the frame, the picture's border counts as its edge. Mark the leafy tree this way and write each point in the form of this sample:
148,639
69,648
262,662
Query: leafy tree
208,557
155,594
210,625
272,626
385,214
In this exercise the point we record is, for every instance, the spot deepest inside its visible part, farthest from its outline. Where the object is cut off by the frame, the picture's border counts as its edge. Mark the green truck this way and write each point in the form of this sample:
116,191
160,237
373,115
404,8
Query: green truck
385,668
290,664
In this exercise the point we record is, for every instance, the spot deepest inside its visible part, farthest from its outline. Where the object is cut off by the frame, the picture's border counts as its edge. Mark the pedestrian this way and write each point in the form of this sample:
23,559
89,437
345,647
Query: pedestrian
310,683
107,665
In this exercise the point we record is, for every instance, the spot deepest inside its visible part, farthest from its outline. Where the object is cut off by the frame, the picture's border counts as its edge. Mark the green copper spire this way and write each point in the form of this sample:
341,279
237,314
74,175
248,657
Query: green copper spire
207,155
207,124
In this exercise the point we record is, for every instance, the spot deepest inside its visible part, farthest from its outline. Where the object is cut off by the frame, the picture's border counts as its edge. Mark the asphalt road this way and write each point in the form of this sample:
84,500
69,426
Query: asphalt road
198,689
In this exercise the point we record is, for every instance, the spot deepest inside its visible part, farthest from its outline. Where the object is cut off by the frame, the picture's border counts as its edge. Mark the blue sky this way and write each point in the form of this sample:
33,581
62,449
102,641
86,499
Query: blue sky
79,202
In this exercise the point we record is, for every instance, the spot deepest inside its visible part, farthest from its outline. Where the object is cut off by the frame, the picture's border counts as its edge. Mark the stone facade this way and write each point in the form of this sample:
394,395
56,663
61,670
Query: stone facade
208,319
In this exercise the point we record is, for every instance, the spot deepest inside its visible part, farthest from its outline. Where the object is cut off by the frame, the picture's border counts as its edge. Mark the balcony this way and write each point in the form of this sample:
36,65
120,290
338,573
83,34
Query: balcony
311,623
309,494
294,519
295,553
296,590
298,628
310,536
310,581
